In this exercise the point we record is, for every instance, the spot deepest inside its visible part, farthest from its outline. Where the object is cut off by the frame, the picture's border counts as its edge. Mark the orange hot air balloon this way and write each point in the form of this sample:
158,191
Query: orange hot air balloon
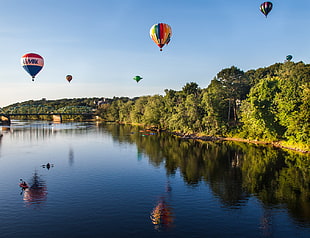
161,34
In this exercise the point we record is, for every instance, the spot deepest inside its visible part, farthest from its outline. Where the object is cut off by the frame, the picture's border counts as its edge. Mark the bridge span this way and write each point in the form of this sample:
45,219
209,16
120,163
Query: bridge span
5,118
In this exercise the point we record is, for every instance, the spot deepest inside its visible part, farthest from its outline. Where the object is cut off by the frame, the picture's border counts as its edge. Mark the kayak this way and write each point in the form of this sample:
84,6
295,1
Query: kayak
23,185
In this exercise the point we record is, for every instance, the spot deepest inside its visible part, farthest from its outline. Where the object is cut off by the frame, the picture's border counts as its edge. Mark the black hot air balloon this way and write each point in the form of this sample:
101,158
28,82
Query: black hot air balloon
266,7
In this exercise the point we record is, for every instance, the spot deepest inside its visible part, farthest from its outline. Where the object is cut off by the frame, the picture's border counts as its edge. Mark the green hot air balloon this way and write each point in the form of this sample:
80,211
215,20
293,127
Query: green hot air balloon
137,78
289,58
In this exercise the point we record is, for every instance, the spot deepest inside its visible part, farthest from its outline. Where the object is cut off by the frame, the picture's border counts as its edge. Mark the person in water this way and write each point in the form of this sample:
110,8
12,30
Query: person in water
48,165
23,184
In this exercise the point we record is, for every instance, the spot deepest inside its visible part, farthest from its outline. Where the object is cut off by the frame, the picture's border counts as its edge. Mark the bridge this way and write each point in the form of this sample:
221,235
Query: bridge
57,117
39,110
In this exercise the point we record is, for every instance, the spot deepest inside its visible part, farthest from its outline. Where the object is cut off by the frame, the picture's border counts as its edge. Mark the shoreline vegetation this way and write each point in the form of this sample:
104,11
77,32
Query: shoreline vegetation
202,138
214,138
268,106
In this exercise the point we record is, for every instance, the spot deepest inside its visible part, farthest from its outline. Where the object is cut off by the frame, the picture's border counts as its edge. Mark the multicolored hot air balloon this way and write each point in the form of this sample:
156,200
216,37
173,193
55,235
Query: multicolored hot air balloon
137,78
69,78
289,58
161,34
32,63
266,7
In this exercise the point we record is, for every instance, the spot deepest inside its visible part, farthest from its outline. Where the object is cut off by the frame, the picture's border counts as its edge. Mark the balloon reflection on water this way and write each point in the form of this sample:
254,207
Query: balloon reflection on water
162,215
36,193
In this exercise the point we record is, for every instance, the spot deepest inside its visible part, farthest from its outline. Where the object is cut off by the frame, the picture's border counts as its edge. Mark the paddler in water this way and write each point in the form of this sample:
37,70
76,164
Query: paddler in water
23,184
48,165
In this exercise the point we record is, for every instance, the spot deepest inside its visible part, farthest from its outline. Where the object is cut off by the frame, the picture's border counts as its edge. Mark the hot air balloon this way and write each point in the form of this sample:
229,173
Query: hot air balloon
289,58
69,78
161,34
137,78
266,7
32,63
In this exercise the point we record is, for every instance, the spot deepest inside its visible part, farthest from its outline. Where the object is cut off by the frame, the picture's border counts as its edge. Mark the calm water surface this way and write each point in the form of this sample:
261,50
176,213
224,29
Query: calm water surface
118,181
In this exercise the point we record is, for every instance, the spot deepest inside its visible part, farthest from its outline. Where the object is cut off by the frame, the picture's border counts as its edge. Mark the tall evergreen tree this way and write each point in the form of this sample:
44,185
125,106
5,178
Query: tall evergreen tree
236,86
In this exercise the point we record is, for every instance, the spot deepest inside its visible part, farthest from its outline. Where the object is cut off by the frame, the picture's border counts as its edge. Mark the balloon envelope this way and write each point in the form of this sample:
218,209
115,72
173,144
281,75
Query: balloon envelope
69,78
137,78
32,63
266,7
289,58
161,33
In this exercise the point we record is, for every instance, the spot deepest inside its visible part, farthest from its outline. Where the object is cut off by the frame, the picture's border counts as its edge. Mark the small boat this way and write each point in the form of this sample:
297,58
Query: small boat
23,185
48,165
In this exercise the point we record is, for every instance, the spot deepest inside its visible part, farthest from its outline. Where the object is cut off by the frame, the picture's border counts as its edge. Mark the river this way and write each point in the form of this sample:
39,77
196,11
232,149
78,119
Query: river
105,180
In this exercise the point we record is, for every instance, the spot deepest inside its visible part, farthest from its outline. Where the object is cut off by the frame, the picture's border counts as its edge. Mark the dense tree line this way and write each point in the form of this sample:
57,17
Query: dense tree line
270,104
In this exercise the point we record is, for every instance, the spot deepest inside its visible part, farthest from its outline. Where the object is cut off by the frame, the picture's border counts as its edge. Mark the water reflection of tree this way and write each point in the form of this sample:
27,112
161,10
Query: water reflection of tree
225,176
34,131
233,170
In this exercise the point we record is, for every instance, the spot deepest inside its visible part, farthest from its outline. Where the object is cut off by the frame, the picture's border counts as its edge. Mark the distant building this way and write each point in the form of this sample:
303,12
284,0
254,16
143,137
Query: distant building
100,102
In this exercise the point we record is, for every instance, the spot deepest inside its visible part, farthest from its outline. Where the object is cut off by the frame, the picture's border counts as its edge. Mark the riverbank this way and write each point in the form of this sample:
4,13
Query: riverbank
214,138
198,137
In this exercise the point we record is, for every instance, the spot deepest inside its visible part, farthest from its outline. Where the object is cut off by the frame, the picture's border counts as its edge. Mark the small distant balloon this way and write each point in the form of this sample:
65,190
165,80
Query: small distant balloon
161,34
137,78
289,58
265,8
32,63
69,78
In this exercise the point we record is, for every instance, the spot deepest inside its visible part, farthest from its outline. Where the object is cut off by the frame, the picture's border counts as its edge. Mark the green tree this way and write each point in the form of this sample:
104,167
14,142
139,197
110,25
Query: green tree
259,111
137,112
215,107
293,101
236,86
191,88
153,111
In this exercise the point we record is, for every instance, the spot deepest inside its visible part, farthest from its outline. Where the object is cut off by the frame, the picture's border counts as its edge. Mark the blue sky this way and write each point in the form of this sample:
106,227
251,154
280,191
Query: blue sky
104,44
